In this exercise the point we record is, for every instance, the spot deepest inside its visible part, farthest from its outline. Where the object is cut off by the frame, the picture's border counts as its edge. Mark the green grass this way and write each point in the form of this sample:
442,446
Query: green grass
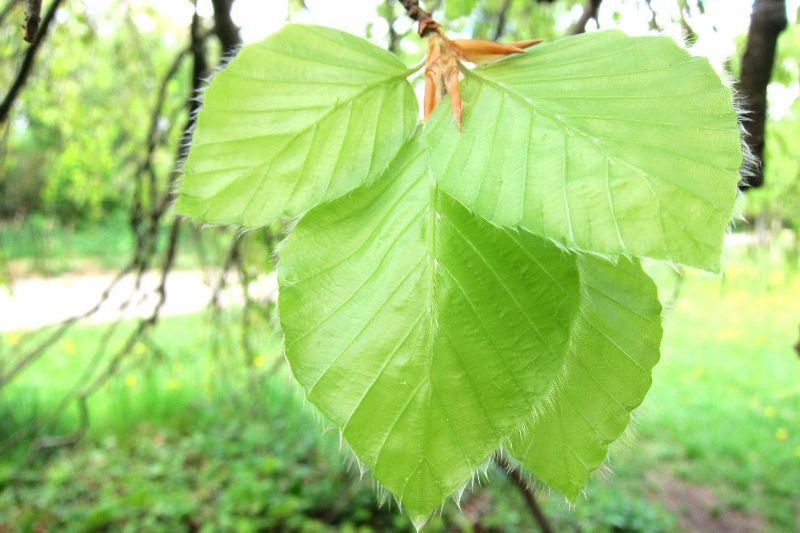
39,246
188,437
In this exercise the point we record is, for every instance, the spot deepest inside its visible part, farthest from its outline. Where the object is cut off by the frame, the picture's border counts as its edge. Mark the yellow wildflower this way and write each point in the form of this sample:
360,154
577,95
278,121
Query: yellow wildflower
781,434
68,345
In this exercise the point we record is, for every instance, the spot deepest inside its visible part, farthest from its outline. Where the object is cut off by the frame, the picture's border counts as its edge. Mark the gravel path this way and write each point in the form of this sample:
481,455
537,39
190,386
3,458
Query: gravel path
35,302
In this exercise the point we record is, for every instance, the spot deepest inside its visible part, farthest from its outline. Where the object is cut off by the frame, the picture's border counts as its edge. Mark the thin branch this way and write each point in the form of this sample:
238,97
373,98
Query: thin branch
414,11
224,27
766,24
389,16
27,63
502,19
653,24
423,18
590,11
519,481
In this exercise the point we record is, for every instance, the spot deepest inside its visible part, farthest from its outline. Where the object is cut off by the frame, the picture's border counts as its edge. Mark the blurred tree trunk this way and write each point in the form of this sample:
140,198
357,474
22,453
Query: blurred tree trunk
590,12
766,23
227,32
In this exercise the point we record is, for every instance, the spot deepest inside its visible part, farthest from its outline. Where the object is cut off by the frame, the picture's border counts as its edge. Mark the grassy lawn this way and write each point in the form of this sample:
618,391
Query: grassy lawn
188,438
44,247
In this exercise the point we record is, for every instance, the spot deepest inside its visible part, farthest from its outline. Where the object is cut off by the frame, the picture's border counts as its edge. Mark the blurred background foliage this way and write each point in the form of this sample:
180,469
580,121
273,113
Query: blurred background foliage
143,422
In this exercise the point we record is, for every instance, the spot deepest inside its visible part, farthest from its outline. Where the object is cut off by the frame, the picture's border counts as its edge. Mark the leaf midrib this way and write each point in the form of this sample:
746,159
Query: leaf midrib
605,150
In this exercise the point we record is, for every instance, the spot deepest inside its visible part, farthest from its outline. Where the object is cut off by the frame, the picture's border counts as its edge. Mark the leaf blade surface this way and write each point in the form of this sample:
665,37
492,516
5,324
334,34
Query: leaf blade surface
614,344
426,334
606,143
302,117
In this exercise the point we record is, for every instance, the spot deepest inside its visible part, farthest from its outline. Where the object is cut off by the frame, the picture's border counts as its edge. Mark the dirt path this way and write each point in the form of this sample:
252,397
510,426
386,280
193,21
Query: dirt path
35,302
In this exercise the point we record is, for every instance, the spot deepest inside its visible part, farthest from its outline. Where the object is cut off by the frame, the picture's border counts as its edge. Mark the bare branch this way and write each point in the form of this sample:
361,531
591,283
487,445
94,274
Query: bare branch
27,62
502,19
414,10
394,37
224,27
519,481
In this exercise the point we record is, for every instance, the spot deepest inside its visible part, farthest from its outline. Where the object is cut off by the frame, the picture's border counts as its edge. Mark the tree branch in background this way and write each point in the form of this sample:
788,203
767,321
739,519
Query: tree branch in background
27,62
766,23
33,16
414,10
590,11
224,27
424,19
502,19
519,481
394,37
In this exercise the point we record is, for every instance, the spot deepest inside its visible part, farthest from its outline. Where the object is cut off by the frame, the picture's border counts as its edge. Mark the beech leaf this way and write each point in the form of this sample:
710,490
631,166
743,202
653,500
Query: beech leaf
304,116
614,344
425,333
603,142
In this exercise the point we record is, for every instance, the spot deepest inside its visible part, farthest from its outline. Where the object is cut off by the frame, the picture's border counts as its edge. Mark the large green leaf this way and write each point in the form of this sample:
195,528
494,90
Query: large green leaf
304,116
425,333
614,345
603,142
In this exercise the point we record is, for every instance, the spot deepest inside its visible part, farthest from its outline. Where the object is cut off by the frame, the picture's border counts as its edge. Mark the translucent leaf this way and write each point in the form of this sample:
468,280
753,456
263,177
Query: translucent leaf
425,333
606,143
614,345
304,116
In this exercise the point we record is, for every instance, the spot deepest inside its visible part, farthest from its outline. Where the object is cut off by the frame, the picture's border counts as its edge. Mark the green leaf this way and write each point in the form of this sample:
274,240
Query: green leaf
614,345
454,9
603,142
425,333
304,116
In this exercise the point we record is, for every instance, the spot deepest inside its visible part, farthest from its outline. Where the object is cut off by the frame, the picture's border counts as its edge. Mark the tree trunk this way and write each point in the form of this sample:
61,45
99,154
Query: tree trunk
766,23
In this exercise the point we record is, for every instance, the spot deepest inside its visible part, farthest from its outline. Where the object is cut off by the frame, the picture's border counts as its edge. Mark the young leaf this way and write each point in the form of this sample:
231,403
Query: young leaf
614,345
304,116
606,143
424,332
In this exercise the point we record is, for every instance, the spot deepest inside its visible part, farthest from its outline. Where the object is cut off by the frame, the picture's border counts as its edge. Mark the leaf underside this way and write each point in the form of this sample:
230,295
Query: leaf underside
607,143
302,117
614,345
427,334
446,294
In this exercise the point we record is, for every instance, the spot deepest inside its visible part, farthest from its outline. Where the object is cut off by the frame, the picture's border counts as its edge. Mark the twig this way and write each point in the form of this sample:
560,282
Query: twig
27,62
519,481
653,18
590,12
414,11
502,19
424,19
394,37
224,27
